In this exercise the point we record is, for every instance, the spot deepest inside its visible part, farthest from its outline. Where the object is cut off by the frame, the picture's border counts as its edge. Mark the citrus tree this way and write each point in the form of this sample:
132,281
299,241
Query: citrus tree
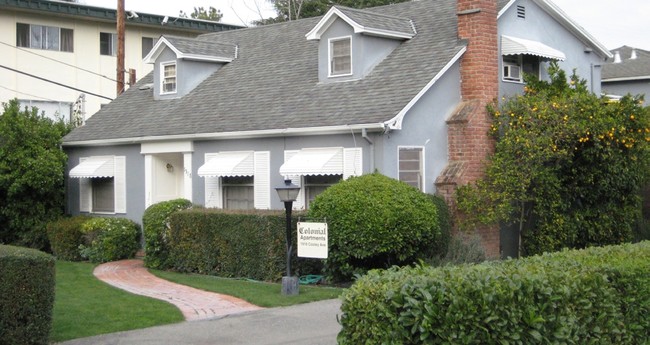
568,166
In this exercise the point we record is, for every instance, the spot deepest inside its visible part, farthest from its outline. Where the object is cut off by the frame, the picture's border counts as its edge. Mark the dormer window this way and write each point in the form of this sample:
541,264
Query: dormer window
340,56
168,77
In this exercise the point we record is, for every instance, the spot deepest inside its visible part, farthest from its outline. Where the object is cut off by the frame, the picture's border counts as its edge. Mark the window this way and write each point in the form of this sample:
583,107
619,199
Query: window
103,190
316,184
147,45
168,78
44,37
238,192
515,66
340,57
411,166
107,44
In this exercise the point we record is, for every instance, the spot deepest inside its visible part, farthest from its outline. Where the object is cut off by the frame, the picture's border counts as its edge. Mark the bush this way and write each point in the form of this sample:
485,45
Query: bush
463,249
155,222
375,222
109,239
26,295
65,237
594,296
233,244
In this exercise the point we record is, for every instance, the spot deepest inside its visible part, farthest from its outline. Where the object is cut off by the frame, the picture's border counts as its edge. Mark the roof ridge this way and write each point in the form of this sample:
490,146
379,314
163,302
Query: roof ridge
367,11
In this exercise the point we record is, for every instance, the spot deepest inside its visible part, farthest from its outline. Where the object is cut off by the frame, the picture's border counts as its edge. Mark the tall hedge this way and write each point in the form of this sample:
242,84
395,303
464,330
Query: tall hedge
155,222
233,244
26,295
591,296
65,237
376,222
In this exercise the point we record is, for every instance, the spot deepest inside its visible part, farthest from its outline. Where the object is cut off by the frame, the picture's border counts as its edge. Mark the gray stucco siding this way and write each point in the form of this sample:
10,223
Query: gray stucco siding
633,87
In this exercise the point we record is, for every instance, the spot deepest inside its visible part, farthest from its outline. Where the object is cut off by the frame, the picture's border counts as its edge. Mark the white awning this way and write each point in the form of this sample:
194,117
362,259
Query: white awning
94,167
315,161
518,46
229,164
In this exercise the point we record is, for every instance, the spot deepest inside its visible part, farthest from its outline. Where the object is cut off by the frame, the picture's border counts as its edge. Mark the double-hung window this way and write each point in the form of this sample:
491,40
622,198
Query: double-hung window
168,77
238,192
102,184
316,184
107,44
44,37
411,167
340,56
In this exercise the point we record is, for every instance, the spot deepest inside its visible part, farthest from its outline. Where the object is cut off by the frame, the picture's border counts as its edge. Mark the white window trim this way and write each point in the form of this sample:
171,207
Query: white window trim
519,64
329,57
422,164
162,77
119,189
113,44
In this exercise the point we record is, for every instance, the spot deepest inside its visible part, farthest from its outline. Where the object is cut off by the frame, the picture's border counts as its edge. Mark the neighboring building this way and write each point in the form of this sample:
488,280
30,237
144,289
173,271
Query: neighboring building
75,45
398,89
629,72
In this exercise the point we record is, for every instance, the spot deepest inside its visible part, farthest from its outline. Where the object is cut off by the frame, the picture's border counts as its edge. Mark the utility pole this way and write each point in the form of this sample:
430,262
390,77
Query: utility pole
120,47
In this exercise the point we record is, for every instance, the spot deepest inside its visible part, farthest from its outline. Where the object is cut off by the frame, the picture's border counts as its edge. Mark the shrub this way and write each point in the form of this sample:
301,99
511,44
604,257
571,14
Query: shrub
463,249
233,244
594,296
445,221
26,295
155,222
375,222
65,237
109,239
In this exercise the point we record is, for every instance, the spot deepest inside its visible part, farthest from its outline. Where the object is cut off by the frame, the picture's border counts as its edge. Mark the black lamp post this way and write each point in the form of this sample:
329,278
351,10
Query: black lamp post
288,194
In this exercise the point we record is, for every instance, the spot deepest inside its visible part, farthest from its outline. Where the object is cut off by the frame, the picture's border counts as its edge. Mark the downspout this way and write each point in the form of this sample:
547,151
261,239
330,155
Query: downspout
364,134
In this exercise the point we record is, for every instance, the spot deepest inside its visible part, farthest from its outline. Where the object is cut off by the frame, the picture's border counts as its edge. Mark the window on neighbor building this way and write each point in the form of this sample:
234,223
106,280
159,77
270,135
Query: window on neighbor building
238,192
515,66
168,77
107,44
316,184
340,56
103,194
147,45
411,167
44,37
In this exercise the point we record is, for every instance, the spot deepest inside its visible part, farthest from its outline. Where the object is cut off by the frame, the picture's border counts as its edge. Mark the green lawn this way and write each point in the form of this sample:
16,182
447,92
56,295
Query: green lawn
259,293
85,306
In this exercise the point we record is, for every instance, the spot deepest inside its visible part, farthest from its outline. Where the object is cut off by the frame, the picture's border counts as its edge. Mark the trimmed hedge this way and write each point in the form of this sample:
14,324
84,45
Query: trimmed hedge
155,223
591,296
109,239
233,244
65,236
26,295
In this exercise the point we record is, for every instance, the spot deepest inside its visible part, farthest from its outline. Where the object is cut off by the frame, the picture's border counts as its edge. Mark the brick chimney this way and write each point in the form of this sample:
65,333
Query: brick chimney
468,127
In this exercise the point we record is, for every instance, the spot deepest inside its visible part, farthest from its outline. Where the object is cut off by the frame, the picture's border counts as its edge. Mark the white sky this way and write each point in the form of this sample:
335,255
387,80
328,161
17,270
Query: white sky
613,22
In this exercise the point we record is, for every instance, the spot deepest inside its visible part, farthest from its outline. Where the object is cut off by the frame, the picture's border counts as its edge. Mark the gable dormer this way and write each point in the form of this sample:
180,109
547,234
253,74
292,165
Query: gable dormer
352,42
181,64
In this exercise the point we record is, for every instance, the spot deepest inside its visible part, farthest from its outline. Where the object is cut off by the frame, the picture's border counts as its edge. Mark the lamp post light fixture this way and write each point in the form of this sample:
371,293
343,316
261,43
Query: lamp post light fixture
288,194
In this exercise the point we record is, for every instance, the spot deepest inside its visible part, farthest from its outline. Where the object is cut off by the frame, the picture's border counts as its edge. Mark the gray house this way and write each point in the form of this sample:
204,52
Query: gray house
629,72
398,89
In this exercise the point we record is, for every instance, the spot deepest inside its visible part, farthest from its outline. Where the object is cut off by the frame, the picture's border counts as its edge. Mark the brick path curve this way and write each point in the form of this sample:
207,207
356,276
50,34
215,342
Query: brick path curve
195,304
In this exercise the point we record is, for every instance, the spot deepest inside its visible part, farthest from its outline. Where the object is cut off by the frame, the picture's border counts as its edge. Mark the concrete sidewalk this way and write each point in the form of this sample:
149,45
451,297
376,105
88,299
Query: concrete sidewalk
310,324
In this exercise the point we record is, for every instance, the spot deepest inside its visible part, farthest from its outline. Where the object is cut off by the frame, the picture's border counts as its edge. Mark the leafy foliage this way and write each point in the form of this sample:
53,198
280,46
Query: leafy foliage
375,222
26,295
297,9
568,166
32,167
109,239
593,296
65,237
211,13
155,222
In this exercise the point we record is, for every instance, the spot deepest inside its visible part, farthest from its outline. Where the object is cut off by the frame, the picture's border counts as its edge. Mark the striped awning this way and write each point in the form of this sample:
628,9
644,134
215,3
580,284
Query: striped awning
314,161
229,164
94,167
519,46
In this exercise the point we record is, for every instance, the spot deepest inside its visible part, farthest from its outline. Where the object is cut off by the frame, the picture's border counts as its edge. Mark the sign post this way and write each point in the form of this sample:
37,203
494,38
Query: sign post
312,240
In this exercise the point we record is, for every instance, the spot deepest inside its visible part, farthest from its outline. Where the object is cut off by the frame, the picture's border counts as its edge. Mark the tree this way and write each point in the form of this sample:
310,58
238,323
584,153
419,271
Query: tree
568,166
211,13
32,167
296,9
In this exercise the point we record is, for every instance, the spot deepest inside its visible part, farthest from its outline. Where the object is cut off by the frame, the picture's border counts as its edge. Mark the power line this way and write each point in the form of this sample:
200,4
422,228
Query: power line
55,60
54,82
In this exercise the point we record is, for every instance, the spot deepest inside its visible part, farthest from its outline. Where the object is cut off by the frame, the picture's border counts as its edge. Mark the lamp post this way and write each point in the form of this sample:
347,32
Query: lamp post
288,194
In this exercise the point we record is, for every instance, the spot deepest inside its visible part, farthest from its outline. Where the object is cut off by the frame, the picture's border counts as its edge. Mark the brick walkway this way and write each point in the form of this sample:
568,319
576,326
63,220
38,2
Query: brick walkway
195,304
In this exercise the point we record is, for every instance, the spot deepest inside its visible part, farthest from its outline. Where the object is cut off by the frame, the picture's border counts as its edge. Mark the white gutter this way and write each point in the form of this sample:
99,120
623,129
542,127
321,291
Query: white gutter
641,77
231,135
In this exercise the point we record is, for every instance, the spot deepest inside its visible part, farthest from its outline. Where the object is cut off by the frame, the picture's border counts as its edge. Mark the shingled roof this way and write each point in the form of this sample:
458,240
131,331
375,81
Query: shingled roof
628,68
273,84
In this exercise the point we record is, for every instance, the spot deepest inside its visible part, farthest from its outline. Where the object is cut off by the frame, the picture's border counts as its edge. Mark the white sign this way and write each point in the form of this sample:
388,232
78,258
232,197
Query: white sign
312,240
